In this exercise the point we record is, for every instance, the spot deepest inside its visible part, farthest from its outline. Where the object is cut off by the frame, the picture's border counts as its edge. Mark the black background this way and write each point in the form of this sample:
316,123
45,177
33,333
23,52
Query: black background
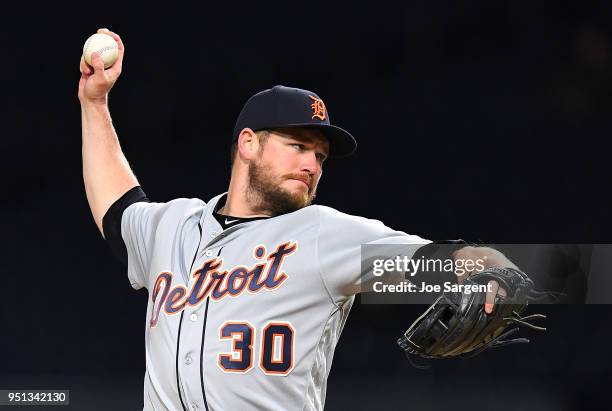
482,120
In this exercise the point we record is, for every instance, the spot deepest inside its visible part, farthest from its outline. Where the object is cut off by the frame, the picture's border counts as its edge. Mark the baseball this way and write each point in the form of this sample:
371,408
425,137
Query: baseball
104,45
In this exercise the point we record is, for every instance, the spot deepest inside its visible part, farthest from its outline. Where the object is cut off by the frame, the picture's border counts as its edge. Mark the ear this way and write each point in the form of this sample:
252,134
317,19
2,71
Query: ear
248,144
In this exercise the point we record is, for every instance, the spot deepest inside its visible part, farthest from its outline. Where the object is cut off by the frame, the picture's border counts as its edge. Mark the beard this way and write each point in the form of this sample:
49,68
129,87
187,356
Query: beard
267,196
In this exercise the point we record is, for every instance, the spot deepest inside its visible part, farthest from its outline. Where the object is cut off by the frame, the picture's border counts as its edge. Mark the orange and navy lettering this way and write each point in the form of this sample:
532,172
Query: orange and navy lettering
318,108
277,348
277,342
242,335
211,281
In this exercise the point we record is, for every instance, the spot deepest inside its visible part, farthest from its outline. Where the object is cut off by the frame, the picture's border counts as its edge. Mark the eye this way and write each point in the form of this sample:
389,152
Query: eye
298,146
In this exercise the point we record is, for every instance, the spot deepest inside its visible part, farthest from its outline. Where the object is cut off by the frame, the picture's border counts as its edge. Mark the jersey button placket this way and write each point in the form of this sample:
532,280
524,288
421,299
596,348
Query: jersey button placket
191,336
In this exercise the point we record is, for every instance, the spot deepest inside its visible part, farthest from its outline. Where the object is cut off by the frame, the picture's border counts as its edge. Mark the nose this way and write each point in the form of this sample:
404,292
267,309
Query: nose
310,163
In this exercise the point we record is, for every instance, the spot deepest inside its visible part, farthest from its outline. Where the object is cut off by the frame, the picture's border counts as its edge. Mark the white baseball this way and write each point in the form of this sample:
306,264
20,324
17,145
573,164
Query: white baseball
104,45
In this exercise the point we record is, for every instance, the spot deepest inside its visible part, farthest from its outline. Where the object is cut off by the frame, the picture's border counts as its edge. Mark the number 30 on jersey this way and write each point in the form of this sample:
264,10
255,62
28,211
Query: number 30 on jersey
275,353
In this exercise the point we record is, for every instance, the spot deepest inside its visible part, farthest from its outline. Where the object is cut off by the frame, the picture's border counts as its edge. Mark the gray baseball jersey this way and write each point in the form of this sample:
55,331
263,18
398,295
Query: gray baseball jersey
245,318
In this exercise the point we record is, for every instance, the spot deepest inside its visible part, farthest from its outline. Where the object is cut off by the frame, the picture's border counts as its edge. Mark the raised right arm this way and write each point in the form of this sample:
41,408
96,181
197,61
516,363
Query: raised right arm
106,172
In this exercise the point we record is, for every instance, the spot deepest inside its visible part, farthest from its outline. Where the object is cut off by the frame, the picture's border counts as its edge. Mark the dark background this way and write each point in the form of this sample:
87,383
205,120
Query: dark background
482,120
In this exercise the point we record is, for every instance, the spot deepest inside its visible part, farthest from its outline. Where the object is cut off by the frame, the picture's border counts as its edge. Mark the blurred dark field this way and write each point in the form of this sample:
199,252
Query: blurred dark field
477,120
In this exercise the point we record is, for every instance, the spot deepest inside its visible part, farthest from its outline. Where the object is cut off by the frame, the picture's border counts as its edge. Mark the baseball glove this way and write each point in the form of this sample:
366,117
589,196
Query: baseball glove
456,324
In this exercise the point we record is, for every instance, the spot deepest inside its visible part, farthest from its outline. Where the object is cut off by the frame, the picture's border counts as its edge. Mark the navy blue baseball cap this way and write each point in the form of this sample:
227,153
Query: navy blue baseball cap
282,106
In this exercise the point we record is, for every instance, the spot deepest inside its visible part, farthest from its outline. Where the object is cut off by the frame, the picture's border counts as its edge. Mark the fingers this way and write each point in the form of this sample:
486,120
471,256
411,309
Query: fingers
97,63
115,36
465,254
490,298
116,67
84,67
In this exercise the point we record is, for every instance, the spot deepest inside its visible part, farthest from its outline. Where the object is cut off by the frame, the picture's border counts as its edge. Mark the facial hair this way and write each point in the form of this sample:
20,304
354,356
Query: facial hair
267,196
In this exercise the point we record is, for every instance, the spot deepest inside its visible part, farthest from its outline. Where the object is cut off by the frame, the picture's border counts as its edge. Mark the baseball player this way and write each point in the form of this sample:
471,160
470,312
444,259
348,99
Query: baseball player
248,291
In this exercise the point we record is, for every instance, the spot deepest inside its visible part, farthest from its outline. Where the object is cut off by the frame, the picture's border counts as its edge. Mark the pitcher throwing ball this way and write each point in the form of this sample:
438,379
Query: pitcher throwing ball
248,290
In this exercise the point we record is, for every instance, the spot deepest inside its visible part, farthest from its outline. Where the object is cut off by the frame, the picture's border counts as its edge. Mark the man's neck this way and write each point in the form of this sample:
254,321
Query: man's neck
235,206
237,203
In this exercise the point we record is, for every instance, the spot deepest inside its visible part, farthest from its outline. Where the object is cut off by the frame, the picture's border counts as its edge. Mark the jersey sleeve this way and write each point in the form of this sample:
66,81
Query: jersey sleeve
339,249
111,222
139,224
134,225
